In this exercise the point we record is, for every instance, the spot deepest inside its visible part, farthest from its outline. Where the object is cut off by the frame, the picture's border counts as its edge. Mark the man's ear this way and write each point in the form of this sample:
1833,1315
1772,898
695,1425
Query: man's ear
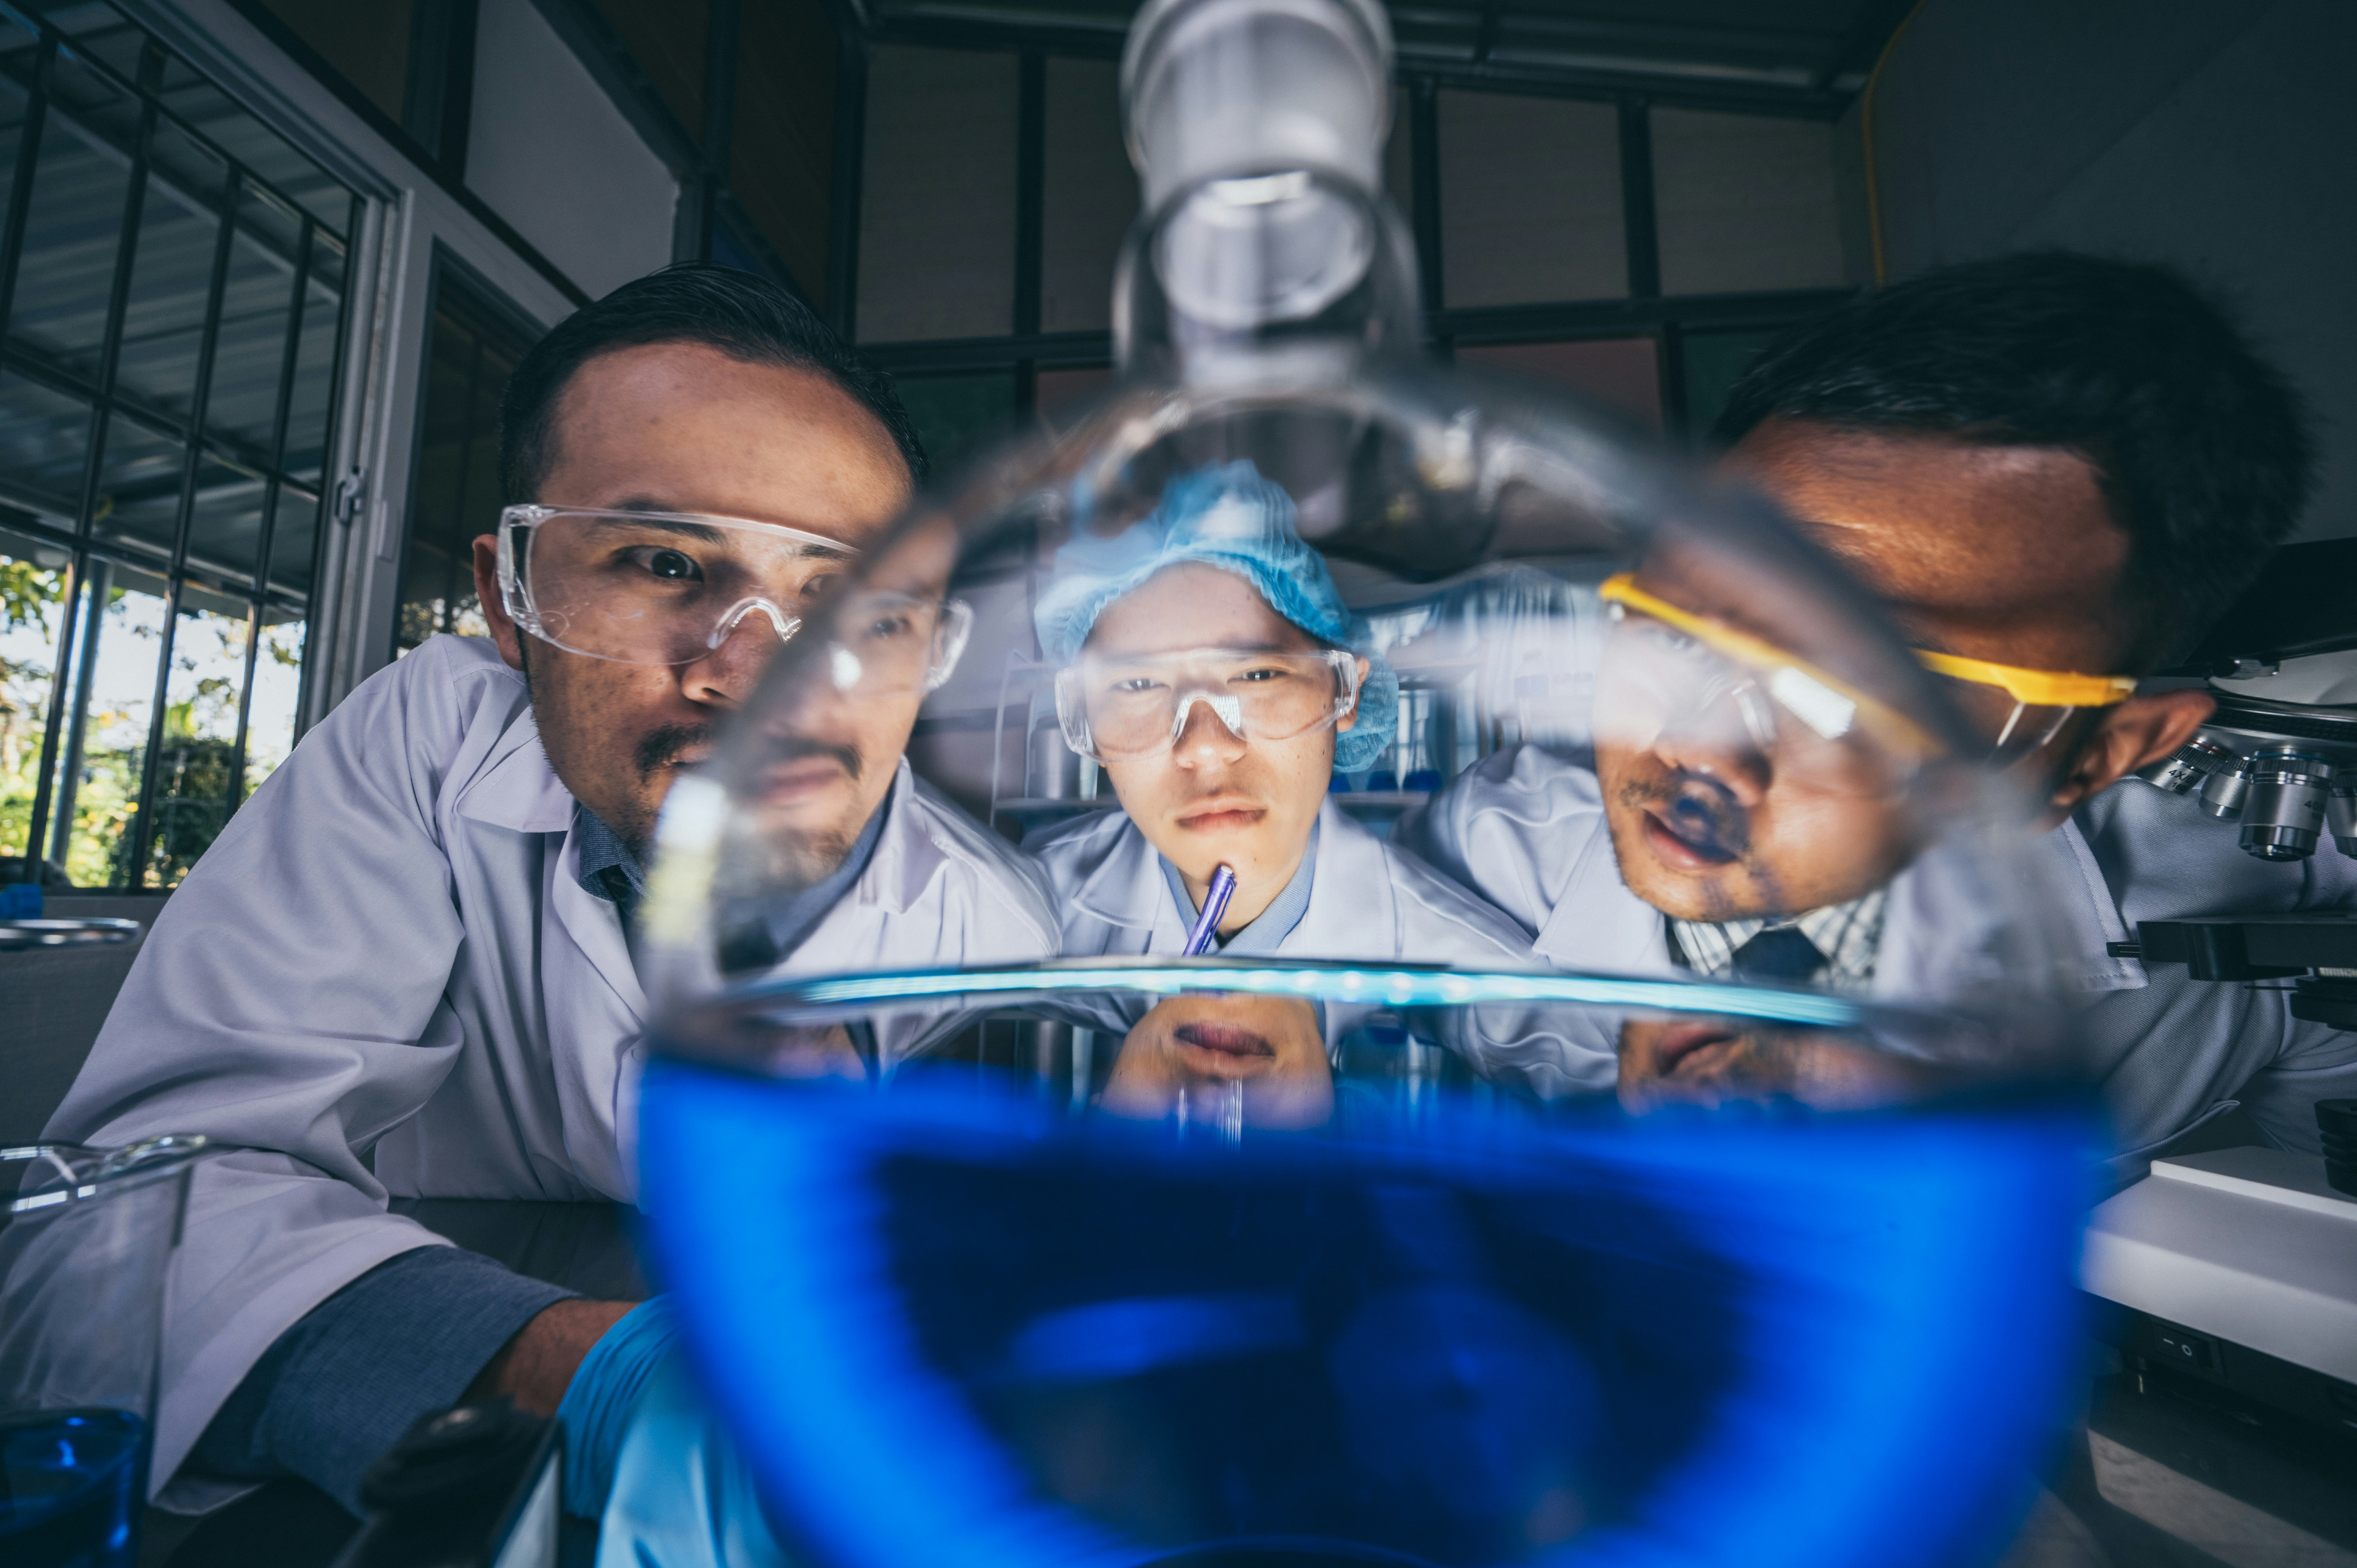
2129,736
1350,720
495,608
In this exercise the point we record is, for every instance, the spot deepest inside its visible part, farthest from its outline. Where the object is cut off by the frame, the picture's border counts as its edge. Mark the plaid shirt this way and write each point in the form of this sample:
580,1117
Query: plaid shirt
1848,934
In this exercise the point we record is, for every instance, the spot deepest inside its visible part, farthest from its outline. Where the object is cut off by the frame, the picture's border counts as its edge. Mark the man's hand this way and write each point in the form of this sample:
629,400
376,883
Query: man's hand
536,1367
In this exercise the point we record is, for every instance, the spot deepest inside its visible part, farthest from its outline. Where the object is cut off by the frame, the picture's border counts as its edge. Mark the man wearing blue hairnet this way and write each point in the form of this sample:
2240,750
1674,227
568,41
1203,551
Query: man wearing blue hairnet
1208,664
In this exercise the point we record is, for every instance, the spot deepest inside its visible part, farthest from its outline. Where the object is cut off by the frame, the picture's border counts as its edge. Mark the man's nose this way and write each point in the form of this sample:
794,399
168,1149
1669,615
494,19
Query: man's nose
1725,753
1204,736
725,677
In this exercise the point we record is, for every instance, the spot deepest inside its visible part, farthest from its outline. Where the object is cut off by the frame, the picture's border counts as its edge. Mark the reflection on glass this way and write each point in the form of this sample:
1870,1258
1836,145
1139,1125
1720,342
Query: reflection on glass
171,275
209,111
71,233
43,437
1224,1063
225,526
194,764
31,606
139,477
242,407
472,355
293,542
13,41
277,687
315,362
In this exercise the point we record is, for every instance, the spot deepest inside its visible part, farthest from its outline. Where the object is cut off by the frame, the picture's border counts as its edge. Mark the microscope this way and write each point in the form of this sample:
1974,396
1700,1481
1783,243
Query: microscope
2276,765
2239,1266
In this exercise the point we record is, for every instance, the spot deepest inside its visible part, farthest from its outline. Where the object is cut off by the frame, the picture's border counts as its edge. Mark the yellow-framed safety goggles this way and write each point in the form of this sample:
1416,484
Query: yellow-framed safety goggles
2038,688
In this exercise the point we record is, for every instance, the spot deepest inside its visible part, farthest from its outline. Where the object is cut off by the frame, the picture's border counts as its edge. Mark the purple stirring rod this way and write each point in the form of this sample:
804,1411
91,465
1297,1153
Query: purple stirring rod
1215,904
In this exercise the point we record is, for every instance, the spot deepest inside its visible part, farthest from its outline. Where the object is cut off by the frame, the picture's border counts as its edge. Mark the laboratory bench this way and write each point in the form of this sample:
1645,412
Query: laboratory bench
2161,1469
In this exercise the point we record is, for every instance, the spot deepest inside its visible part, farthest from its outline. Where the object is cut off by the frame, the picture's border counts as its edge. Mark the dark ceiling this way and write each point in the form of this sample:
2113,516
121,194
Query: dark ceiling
1780,56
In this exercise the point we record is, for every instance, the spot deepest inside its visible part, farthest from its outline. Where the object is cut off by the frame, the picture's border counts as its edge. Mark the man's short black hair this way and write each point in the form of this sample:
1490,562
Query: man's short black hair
2201,446
743,316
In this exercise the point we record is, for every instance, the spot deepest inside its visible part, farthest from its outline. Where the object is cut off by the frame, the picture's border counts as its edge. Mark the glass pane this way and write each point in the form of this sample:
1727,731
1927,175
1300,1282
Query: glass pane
15,60
1088,194
277,683
1530,199
32,589
100,33
315,363
1745,203
44,435
192,771
138,489
171,275
1714,362
957,414
458,492
1624,372
937,210
71,233
99,798
81,88
782,152
244,406
225,528
209,111
293,542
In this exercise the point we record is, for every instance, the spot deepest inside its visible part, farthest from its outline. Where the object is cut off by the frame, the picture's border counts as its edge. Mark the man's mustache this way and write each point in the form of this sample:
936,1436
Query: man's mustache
660,748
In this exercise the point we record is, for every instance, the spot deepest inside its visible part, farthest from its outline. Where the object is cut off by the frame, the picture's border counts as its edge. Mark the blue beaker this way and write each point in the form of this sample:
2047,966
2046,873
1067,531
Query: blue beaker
86,1243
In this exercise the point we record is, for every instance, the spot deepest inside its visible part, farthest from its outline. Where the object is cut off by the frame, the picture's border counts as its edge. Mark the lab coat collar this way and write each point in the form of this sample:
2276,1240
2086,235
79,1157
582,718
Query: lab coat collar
1111,892
2088,916
520,790
908,853
1598,924
1352,892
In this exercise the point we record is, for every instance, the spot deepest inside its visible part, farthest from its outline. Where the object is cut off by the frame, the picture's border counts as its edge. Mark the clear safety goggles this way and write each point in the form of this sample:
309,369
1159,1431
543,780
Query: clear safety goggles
887,643
1122,708
1667,667
656,587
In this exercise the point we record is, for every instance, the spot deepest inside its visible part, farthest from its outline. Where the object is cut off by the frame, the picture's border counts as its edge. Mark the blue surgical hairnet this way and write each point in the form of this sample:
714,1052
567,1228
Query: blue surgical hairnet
1226,516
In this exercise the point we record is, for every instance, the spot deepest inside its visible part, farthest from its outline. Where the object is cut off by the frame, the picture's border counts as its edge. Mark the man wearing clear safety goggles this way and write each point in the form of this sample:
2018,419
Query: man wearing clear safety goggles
409,965
1211,667
2054,471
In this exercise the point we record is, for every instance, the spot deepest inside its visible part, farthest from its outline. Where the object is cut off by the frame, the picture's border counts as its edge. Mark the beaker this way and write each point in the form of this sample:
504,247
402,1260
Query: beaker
87,1237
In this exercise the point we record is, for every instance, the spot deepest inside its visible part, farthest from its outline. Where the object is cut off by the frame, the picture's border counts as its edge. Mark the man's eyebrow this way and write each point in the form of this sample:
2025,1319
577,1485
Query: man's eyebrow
659,521
668,520
1246,649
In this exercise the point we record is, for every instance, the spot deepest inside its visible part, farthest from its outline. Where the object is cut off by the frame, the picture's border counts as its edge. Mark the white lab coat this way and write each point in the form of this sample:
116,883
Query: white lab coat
1367,900
1527,831
384,979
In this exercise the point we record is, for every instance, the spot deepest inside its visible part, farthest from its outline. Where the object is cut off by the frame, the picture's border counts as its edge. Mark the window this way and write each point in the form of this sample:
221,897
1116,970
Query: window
1619,372
958,416
940,188
1530,199
1746,203
172,286
473,352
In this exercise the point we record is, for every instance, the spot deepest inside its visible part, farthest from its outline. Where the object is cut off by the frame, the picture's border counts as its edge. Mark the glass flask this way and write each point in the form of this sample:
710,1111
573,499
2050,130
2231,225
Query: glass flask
86,1237
1334,957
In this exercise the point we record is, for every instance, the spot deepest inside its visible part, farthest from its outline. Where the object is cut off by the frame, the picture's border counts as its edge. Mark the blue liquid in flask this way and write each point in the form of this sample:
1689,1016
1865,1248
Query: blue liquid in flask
72,1483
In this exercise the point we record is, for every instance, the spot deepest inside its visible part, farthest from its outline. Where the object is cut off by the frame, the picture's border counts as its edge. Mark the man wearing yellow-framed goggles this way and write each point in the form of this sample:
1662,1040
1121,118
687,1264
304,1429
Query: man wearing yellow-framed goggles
2044,466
